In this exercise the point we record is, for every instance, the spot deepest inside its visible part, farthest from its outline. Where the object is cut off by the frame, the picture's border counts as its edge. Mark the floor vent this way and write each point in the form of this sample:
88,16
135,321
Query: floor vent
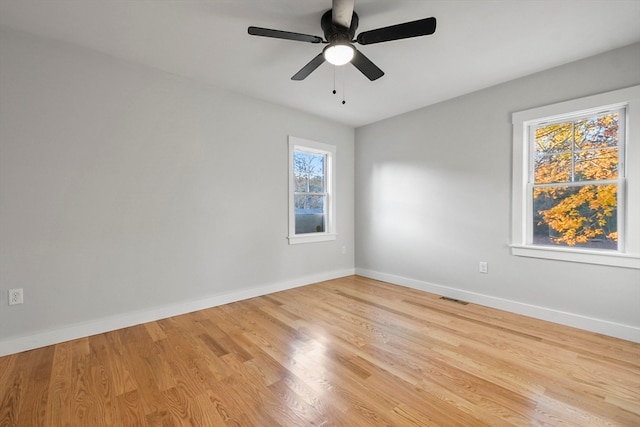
457,301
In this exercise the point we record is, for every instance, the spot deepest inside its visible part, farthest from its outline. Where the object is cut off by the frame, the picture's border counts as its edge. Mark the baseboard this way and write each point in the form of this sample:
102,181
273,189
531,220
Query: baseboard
98,326
617,330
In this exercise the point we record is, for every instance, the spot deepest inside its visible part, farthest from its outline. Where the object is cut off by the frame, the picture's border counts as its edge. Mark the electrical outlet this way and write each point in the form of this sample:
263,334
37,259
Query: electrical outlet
16,296
483,267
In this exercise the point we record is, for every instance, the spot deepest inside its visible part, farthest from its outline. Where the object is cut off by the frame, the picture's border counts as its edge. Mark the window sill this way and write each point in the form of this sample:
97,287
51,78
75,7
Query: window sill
311,238
613,259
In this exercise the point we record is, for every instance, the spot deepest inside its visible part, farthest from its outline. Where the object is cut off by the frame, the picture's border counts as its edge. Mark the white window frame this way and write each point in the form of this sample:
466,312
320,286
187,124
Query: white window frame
628,253
301,144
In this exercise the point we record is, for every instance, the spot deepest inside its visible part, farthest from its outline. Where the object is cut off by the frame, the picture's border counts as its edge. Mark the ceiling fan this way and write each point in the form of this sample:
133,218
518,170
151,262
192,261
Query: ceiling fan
339,26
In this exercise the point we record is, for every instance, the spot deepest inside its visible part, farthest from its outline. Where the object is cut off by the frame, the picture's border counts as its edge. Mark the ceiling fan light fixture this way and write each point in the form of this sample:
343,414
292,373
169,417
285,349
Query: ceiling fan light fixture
339,54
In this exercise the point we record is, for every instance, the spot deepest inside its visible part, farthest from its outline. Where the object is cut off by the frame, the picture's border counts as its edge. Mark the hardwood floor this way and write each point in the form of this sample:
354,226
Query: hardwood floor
348,352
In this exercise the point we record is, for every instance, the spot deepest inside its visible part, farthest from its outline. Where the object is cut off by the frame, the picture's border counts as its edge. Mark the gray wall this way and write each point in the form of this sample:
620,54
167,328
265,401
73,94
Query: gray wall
433,198
125,189
127,194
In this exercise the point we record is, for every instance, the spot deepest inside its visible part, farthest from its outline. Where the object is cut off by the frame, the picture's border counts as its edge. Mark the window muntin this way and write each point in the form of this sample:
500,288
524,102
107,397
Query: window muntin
575,171
311,191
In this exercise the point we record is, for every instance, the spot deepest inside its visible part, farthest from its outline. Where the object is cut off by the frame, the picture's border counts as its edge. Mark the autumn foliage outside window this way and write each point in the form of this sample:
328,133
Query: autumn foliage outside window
575,172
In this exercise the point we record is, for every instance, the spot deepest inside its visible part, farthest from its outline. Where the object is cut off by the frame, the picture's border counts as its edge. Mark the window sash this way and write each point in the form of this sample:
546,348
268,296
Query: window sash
620,209
621,110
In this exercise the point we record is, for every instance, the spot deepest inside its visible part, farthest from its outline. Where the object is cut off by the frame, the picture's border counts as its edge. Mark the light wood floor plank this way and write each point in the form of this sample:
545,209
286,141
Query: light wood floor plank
346,352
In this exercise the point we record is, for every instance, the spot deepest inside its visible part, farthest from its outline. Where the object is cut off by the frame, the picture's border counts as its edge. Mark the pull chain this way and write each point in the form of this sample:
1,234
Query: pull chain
343,83
334,79
343,86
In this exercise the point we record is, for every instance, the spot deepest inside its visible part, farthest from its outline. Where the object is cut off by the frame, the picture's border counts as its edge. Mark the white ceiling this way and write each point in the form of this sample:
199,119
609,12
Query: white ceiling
478,43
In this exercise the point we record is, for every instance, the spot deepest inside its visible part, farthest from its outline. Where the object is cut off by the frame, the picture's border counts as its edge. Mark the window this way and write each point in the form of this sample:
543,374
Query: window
576,184
311,201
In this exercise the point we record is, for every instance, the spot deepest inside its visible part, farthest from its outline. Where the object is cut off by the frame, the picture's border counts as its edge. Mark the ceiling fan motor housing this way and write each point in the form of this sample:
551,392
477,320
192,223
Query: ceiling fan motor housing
337,34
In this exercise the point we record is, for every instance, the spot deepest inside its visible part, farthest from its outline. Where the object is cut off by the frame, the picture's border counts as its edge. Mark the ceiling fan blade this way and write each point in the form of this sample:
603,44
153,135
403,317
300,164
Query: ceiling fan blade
342,11
421,27
287,35
366,67
309,68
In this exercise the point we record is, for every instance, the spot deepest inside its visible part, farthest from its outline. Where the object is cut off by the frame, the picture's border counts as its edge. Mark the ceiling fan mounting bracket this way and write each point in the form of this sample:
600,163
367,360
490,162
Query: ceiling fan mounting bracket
337,34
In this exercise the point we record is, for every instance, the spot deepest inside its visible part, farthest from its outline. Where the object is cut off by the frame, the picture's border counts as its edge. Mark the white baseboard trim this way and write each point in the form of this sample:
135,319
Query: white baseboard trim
98,326
617,330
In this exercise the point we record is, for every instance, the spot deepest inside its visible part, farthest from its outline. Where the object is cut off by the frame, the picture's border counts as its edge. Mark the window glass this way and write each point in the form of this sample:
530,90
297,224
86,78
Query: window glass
575,202
309,176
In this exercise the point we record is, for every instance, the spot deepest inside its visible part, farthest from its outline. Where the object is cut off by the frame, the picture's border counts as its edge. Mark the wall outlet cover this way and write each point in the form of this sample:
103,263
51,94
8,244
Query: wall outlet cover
16,296
483,267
